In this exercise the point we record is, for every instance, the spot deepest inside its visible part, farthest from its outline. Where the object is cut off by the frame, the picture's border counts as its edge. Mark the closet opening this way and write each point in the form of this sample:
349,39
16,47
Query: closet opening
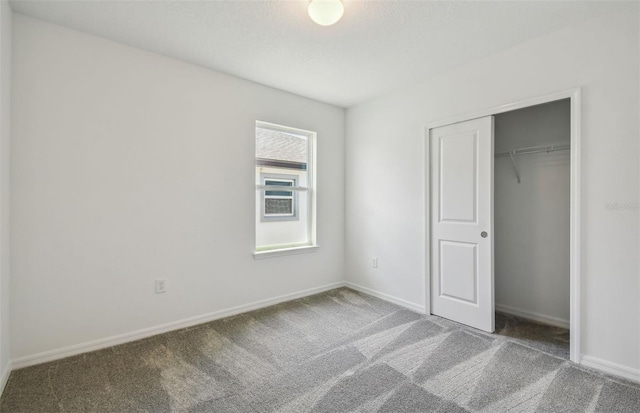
532,233
526,267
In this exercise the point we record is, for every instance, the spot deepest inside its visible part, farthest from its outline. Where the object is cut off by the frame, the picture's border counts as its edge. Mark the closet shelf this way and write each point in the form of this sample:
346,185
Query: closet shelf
530,150
535,149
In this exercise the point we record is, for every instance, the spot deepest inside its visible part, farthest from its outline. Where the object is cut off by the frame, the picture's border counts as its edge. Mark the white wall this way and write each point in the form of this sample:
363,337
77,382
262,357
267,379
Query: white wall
531,222
6,17
385,185
128,166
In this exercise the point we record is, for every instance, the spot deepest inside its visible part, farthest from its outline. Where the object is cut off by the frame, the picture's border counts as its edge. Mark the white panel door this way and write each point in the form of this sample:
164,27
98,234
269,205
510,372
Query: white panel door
461,159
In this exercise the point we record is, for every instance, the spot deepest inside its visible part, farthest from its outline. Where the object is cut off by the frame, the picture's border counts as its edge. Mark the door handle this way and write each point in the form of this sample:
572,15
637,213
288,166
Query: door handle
484,234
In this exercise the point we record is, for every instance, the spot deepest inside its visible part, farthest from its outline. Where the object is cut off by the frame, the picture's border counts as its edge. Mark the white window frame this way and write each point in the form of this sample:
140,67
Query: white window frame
311,245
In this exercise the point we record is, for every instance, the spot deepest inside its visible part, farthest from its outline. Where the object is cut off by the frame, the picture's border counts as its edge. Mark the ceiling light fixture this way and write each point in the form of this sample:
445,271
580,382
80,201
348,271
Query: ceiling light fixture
326,12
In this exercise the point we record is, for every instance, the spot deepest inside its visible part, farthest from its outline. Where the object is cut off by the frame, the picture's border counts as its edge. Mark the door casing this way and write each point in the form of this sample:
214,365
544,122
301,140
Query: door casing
574,95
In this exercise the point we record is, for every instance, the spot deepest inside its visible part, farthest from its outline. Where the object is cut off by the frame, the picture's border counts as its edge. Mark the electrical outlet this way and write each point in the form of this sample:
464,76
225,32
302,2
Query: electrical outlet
374,262
161,286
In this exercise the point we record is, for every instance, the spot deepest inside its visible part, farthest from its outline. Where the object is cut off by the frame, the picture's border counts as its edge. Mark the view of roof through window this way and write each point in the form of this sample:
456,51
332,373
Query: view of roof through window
281,149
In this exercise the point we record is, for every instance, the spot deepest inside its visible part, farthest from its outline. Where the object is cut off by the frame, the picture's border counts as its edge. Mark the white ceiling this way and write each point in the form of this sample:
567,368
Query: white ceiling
377,47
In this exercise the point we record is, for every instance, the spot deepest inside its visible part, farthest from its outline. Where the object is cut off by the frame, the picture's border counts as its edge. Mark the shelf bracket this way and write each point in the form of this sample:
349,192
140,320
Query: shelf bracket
515,167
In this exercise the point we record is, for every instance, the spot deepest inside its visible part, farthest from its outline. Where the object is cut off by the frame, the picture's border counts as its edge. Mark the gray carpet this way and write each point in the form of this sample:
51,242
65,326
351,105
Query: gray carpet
549,339
339,351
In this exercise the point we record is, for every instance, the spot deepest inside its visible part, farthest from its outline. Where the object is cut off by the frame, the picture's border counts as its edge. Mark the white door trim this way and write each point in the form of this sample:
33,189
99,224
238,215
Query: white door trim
575,96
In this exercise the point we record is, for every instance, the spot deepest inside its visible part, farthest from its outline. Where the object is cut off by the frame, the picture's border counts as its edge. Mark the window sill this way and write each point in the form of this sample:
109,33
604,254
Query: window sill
258,255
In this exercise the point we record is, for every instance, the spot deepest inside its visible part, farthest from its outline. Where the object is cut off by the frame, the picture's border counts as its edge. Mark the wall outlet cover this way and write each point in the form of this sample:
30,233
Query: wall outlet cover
161,286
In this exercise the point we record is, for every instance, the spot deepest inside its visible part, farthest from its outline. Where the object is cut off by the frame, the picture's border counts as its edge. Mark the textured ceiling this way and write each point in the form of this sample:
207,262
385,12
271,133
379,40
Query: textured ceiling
377,47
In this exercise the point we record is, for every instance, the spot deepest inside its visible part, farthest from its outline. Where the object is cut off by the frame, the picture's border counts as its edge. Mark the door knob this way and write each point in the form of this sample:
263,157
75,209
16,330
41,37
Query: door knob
484,234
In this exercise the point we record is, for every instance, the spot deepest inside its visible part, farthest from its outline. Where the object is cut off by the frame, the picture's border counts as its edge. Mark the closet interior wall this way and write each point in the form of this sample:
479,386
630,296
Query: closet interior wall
532,216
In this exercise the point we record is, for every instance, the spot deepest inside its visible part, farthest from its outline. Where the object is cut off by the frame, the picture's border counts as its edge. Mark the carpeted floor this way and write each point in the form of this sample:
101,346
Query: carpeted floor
339,351
549,339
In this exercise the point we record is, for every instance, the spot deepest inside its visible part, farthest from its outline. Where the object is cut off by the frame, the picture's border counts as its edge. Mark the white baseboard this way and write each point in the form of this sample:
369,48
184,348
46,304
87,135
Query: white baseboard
5,377
529,315
94,345
611,368
383,296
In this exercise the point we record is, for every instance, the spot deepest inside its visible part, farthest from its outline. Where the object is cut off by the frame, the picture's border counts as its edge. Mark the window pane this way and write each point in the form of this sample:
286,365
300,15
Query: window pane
281,230
280,149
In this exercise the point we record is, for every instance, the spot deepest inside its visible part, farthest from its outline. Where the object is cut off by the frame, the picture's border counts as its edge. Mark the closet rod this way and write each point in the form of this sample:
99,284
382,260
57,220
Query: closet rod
535,149
532,149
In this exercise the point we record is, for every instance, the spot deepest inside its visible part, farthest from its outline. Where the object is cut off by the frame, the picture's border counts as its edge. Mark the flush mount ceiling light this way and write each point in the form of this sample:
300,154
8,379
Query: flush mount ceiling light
326,12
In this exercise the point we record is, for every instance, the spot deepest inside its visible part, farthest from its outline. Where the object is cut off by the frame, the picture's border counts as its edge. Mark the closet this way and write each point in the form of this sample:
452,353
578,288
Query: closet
531,222
499,223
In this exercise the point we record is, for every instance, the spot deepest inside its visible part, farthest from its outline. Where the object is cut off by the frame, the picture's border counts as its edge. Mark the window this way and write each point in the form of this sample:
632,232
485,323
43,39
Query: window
285,196
279,205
